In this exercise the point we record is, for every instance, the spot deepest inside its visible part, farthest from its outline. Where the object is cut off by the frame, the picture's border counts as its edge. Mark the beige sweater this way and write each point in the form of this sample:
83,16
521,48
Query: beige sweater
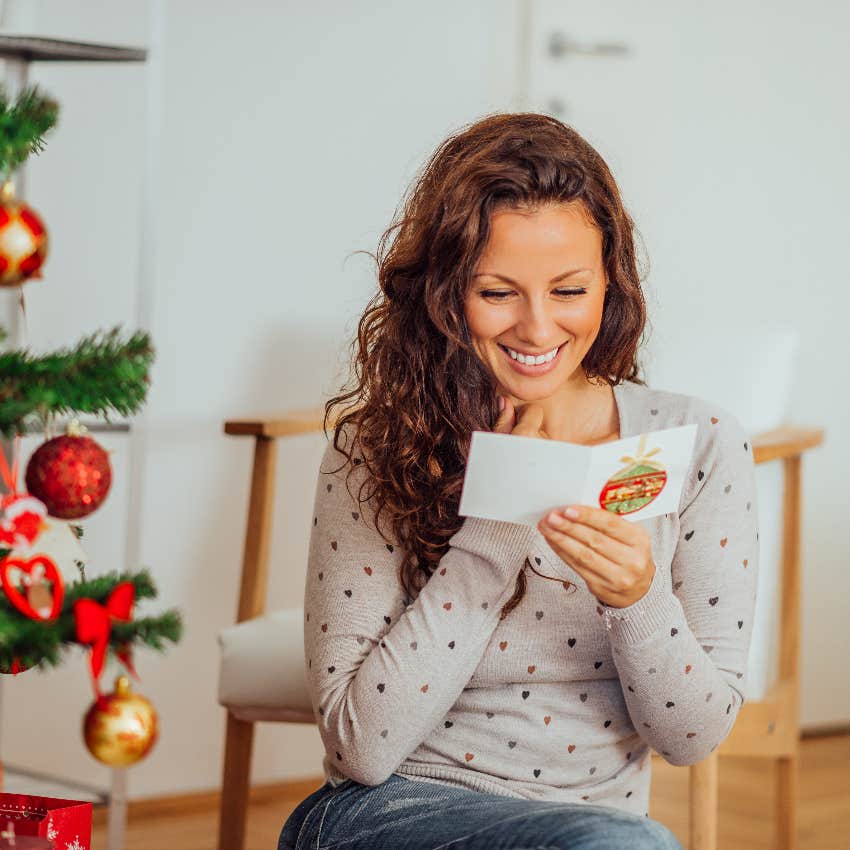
563,699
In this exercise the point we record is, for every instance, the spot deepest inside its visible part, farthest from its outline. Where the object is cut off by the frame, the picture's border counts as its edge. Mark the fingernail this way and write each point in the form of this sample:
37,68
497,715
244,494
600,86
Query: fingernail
572,513
501,403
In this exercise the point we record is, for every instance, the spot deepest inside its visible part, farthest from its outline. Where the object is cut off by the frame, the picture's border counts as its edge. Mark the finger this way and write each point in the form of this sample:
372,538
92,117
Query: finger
505,421
587,562
606,522
592,538
529,421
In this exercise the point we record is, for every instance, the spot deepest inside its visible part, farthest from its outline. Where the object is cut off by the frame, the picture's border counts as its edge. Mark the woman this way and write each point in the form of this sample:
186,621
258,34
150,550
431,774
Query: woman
483,684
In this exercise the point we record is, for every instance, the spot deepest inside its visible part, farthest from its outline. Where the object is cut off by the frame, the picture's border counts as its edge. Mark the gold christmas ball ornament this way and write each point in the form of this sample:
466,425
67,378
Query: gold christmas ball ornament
120,728
23,239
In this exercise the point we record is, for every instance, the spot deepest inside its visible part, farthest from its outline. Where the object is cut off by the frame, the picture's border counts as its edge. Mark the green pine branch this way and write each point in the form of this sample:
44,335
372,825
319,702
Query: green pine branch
34,643
23,125
101,374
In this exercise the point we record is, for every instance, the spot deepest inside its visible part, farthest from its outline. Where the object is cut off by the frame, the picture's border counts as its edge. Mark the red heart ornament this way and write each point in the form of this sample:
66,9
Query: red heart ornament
51,574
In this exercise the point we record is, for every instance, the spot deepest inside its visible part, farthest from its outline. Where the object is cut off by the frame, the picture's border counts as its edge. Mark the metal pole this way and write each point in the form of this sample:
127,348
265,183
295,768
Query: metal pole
117,809
17,77
16,73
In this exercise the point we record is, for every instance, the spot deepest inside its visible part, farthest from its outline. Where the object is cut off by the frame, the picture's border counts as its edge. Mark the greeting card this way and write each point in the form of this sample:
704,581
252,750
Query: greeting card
519,479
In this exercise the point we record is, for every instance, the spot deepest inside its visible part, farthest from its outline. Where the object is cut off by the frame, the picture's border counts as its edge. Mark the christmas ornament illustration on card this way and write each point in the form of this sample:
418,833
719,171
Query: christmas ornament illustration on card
637,484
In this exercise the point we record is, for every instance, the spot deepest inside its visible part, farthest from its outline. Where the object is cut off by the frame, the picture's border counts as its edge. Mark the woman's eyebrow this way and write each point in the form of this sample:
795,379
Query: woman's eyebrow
561,276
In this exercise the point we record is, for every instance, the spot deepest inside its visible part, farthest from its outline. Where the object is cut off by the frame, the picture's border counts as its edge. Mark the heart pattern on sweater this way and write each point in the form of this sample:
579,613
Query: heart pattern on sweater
345,574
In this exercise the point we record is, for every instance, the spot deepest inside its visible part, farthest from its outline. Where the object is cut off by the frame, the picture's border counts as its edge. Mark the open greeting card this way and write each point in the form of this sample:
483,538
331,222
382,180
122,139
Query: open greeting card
520,479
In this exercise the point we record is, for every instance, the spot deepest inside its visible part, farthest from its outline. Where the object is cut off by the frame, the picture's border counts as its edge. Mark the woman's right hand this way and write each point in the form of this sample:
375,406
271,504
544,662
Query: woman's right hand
528,423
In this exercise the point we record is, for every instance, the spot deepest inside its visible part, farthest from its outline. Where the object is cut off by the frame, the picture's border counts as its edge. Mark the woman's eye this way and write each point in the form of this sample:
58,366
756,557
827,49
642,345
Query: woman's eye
501,294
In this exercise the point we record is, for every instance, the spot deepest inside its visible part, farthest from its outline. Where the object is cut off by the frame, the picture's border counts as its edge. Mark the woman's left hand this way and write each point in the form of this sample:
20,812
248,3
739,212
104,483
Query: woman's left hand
612,555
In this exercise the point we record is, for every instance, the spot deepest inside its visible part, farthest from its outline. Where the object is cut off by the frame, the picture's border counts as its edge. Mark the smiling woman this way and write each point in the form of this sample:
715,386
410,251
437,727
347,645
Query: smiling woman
463,698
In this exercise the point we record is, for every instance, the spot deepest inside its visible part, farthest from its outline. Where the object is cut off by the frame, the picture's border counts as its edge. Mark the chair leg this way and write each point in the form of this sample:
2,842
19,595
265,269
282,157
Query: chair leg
786,802
703,803
235,784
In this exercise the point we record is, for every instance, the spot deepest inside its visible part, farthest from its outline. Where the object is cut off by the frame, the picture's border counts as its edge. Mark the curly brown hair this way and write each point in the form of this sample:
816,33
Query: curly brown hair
420,388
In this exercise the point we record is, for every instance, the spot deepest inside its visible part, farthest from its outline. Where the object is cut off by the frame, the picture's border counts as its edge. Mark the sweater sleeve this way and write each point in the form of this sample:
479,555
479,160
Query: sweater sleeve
681,650
384,670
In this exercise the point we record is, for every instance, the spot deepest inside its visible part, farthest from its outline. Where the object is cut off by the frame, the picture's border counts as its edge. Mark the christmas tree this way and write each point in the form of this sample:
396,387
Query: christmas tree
48,603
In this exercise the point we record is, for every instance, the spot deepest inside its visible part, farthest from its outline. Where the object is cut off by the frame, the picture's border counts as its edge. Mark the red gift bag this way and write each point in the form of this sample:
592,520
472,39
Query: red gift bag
65,823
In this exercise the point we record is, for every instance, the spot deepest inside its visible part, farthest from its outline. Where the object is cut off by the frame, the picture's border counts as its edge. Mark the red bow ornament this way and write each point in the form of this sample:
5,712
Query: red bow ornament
94,622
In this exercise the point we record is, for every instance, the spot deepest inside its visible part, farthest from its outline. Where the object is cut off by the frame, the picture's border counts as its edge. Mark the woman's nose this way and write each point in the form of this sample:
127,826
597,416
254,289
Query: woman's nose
536,324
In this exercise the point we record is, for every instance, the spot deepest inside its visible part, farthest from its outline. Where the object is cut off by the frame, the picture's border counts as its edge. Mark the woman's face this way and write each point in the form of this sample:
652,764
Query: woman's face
539,286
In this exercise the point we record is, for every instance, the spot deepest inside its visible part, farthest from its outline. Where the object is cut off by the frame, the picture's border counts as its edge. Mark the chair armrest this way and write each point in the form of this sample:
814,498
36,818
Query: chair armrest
287,424
785,441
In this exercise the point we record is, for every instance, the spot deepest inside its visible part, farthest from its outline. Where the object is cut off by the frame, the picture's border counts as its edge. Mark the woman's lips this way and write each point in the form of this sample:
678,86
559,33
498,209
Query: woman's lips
533,371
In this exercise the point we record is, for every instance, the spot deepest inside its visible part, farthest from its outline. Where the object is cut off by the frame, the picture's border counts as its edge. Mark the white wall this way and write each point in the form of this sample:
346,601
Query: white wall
287,134
279,139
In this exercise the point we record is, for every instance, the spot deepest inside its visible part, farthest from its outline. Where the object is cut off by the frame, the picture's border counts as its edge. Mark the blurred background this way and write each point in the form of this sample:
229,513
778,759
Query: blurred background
215,196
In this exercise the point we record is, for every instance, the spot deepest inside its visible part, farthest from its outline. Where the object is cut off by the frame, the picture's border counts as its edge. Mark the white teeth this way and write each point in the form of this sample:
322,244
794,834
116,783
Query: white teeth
531,360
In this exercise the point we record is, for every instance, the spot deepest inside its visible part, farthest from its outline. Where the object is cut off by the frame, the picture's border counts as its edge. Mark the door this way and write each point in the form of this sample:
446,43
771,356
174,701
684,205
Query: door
726,126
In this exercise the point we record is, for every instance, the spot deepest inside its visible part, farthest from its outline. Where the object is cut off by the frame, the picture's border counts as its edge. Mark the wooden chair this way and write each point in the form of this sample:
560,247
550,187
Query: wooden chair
767,729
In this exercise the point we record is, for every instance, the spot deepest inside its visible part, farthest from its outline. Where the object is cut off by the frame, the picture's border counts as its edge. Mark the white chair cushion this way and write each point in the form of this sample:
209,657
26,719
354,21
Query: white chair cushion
262,675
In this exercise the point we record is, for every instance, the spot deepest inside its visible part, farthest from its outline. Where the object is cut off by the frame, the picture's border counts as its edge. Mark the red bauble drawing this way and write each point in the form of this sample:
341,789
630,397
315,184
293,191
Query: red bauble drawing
636,484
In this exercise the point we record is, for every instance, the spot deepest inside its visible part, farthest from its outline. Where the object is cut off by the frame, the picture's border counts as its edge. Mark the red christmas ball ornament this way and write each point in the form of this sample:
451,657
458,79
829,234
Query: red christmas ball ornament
71,474
23,239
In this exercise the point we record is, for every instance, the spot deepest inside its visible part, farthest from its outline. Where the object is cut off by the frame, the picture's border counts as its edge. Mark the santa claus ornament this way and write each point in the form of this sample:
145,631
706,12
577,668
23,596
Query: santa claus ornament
32,586
22,520
635,485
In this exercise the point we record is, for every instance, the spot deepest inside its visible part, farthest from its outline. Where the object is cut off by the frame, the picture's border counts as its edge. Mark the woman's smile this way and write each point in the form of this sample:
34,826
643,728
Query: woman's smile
532,370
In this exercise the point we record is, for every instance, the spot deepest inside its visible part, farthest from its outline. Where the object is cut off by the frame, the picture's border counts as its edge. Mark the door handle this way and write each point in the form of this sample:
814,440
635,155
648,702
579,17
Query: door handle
560,44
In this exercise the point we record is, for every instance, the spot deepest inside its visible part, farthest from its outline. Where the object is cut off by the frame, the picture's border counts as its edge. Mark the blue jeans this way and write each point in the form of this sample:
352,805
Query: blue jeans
406,814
